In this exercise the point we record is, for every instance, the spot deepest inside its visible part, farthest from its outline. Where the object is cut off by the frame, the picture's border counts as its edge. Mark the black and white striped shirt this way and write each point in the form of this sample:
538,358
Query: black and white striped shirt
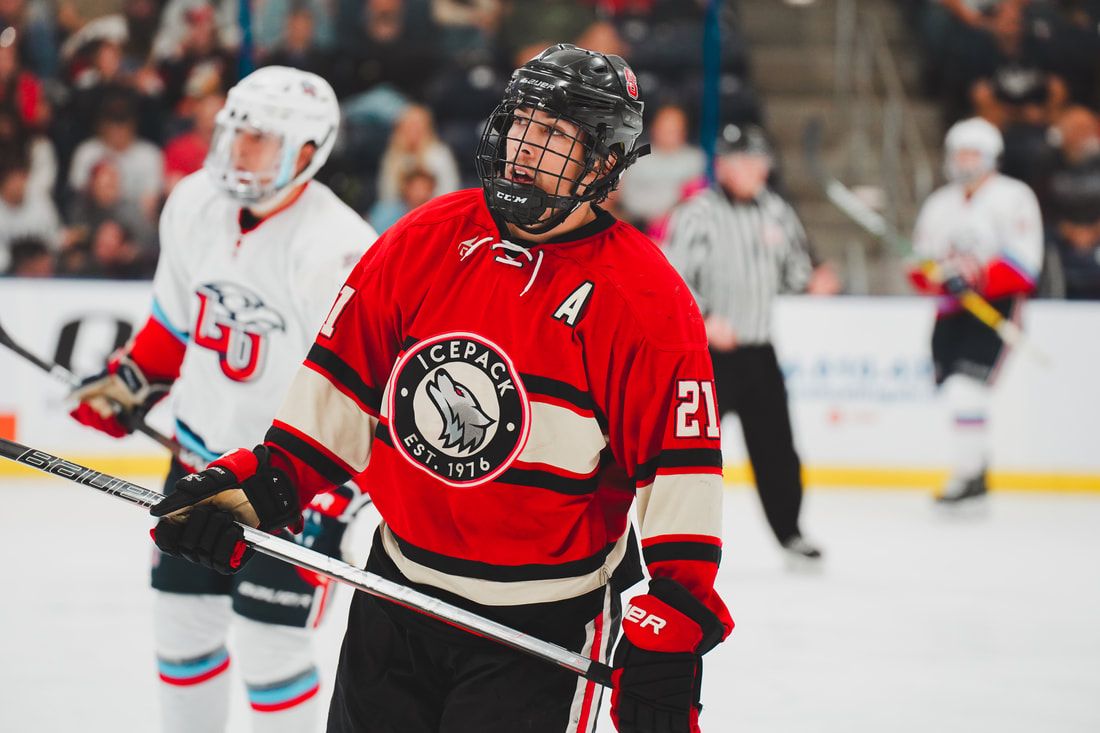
737,256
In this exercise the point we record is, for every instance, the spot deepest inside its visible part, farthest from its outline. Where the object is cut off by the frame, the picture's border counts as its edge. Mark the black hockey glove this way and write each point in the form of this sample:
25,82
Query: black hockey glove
208,536
197,518
658,662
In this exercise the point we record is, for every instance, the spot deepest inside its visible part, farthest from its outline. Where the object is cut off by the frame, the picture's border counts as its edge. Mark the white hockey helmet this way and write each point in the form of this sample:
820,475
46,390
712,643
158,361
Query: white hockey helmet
292,106
977,136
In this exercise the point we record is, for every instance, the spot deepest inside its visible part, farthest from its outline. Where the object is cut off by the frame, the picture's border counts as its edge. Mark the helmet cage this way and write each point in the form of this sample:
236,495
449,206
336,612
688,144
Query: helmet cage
595,114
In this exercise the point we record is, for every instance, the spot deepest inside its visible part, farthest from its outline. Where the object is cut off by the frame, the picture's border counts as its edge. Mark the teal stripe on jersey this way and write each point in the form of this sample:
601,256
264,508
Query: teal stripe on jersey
162,318
194,443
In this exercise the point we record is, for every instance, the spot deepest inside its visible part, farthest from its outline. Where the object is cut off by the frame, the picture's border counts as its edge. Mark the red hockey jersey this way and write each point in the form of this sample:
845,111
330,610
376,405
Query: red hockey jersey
508,401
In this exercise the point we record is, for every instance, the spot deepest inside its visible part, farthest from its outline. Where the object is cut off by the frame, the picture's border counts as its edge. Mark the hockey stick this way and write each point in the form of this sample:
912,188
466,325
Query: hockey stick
63,375
858,211
341,572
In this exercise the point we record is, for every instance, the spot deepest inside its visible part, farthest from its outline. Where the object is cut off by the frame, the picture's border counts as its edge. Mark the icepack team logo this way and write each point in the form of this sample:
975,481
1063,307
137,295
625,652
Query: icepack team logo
458,409
235,323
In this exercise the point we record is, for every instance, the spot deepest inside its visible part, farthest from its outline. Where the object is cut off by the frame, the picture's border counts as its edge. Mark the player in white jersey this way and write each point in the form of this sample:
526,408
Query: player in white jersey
984,232
253,253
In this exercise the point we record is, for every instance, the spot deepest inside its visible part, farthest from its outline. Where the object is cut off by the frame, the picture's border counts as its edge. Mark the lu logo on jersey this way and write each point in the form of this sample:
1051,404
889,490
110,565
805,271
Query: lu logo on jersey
234,322
458,409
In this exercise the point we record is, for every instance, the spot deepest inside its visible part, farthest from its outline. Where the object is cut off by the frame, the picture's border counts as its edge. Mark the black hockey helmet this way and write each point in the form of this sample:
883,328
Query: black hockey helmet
596,92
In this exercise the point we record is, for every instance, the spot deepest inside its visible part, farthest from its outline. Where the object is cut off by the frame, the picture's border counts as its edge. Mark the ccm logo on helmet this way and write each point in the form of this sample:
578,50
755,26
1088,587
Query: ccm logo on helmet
643,619
513,199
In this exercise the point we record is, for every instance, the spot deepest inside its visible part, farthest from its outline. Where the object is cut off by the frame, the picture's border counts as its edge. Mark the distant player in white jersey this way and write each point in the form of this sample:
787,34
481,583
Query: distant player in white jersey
984,233
253,253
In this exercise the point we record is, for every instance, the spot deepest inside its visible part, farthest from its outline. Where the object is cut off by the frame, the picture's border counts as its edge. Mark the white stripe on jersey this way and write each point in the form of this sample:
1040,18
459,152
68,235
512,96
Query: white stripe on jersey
680,504
563,439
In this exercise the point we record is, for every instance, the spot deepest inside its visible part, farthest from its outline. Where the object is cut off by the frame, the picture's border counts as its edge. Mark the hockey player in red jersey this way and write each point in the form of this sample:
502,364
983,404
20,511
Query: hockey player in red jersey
511,367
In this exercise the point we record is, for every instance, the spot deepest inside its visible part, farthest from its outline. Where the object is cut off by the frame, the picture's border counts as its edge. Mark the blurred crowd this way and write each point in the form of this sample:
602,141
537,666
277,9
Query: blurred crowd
1031,67
106,104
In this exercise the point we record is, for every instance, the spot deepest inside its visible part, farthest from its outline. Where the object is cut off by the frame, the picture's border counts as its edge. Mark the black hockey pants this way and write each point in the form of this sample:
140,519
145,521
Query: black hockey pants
401,672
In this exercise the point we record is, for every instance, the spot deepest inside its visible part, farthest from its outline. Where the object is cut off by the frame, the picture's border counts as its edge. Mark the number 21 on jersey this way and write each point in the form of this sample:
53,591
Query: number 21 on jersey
696,409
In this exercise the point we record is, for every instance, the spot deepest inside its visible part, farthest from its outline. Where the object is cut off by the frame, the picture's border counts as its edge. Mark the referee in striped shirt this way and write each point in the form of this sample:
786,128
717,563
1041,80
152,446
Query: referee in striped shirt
737,246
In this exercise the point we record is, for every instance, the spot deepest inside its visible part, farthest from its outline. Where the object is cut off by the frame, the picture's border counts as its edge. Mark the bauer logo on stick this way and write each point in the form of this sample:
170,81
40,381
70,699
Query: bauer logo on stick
458,409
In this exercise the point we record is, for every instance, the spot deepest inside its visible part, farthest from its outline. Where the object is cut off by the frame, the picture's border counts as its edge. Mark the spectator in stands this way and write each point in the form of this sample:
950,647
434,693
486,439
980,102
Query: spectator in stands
175,25
1018,94
1073,238
36,25
200,47
111,253
297,47
16,140
99,79
184,153
529,26
1066,36
652,186
413,145
467,27
19,88
102,200
30,257
980,37
1076,133
140,163
271,17
387,42
142,18
417,187
1022,102
23,211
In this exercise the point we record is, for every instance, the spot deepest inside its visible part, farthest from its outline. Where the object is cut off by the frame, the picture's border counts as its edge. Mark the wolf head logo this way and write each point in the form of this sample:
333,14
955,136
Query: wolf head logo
464,422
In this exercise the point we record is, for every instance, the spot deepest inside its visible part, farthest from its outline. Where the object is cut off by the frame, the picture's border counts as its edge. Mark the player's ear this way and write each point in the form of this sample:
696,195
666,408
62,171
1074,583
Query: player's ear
599,170
305,155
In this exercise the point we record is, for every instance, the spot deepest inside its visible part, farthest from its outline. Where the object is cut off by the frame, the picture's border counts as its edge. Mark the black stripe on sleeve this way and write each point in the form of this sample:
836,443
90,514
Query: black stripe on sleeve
306,453
678,458
346,375
682,551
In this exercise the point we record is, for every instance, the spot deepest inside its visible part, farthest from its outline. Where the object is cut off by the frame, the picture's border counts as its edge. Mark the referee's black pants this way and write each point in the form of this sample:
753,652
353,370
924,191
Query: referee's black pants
750,383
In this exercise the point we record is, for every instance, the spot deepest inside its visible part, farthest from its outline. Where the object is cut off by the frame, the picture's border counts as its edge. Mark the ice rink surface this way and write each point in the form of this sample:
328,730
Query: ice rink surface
918,622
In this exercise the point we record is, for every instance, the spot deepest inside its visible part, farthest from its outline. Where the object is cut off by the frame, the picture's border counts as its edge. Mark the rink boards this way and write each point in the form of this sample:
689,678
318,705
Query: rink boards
858,371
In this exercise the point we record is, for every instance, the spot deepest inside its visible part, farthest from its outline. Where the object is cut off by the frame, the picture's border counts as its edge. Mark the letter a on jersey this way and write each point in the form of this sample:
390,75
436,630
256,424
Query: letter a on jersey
572,308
